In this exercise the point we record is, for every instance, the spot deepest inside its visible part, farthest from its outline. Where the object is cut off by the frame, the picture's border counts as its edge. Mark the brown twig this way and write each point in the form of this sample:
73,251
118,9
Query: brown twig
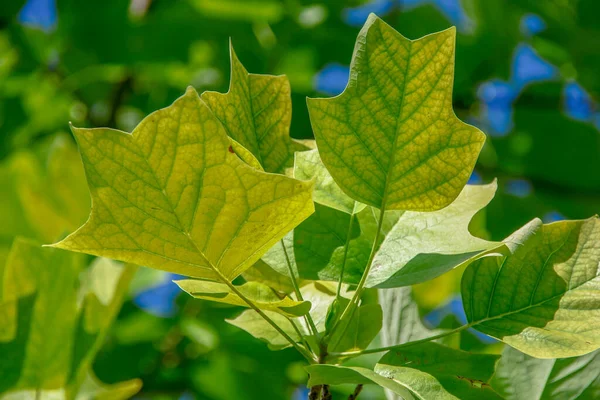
357,391
315,392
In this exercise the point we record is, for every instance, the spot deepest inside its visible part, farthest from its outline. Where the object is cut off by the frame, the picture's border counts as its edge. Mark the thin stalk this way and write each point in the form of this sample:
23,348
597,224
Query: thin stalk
304,342
307,318
363,280
287,337
398,346
339,288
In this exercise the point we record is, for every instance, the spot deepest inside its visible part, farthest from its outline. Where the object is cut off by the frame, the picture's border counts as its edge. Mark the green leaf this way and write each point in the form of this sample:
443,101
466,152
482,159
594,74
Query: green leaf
417,246
45,194
465,375
422,246
257,112
172,196
262,272
407,382
521,377
260,294
358,332
401,322
319,294
391,139
54,314
544,298
255,325
307,166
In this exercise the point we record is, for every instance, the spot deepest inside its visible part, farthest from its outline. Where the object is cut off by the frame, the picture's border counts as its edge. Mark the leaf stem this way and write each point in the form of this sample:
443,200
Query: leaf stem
287,337
349,310
398,346
308,318
339,288
304,342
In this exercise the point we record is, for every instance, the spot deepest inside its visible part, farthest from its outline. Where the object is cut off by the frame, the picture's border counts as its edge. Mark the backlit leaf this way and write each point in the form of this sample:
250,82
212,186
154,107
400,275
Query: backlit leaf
260,294
391,139
174,196
53,317
256,112
544,298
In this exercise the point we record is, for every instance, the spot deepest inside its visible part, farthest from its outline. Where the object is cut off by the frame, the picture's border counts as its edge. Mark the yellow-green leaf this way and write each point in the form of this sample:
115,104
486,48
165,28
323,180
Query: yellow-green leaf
174,196
257,112
391,139
54,314
260,294
544,298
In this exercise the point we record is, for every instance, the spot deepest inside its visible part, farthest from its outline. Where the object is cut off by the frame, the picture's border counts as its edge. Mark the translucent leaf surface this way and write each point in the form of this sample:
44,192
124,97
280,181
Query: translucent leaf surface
173,195
256,112
260,294
391,139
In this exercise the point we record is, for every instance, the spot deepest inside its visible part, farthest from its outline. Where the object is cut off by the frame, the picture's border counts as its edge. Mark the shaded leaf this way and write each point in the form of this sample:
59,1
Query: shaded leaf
401,322
255,325
54,314
358,332
172,196
407,382
465,375
417,246
391,139
544,298
522,377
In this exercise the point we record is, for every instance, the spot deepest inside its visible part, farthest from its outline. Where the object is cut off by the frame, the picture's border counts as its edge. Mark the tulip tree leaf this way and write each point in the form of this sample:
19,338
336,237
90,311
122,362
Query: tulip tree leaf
308,165
520,377
257,112
320,295
254,324
465,375
262,272
391,139
358,332
401,320
422,246
53,316
260,294
174,196
417,246
409,383
544,298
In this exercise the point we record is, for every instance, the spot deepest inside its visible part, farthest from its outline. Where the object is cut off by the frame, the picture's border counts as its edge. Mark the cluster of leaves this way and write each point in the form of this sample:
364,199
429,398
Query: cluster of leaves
213,188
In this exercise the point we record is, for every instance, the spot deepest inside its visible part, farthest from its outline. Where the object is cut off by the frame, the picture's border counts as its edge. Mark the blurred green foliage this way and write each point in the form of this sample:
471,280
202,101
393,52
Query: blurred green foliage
109,63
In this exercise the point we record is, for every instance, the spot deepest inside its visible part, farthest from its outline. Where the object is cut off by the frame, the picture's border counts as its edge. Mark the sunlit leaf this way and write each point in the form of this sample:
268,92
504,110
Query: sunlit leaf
260,294
174,196
391,139
256,112
544,298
